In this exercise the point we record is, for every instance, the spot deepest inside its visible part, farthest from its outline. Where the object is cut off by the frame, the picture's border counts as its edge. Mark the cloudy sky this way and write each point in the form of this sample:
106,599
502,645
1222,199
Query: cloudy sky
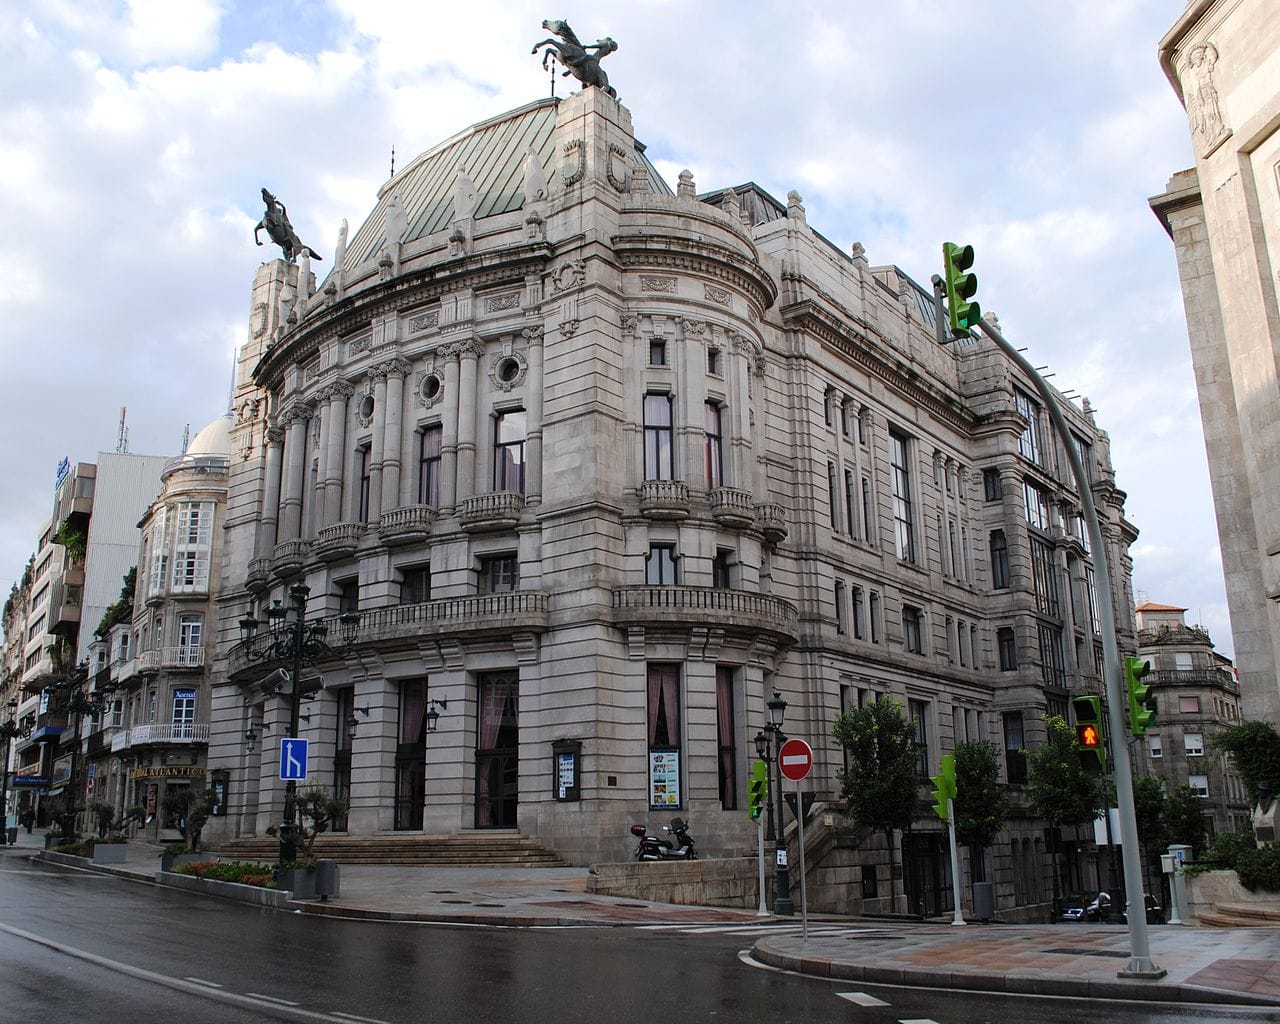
134,137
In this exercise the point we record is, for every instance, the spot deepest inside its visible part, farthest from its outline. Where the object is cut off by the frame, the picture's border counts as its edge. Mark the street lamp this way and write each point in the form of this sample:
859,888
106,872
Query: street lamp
292,639
8,731
777,708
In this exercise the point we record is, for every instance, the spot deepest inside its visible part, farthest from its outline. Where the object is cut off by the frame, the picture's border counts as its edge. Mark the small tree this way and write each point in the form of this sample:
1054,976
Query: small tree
1062,791
1184,819
981,803
1254,749
103,815
318,808
880,783
1148,806
190,809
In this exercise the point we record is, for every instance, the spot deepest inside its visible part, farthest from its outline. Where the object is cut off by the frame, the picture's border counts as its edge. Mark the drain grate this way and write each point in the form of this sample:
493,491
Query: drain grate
633,906
488,904
1068,951
441,892
455,901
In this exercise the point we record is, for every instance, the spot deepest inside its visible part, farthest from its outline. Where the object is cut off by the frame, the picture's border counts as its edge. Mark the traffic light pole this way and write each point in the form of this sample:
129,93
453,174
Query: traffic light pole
1140,964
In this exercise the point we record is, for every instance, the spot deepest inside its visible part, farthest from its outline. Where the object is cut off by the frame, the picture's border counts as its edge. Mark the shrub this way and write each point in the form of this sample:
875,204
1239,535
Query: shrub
240,872
73,849
1228,846
1259,868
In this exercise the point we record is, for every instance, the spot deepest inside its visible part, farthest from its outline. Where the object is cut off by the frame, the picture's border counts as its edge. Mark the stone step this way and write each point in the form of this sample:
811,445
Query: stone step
1258,914
465,850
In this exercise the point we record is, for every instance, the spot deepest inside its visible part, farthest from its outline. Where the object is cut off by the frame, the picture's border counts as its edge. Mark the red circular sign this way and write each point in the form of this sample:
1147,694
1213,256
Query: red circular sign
795,759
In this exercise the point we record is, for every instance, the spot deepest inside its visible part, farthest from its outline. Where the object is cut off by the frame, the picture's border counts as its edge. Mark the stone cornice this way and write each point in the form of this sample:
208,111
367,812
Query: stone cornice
672,253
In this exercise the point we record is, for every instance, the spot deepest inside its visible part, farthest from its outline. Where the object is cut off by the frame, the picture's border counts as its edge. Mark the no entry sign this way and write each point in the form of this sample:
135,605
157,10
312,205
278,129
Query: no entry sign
795,760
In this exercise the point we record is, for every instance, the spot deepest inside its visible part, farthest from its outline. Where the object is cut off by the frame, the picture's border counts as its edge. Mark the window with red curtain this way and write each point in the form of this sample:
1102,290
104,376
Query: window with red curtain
728,748
665,769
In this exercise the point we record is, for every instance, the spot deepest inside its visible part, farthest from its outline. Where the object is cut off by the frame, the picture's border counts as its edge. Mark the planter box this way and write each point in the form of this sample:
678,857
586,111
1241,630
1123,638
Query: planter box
300,884
109,853
227,890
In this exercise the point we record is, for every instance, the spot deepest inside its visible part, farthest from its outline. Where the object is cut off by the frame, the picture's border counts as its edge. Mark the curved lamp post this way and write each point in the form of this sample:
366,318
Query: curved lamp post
292,640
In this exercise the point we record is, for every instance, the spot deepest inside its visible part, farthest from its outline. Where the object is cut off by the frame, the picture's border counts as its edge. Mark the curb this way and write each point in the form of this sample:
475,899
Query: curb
1003,984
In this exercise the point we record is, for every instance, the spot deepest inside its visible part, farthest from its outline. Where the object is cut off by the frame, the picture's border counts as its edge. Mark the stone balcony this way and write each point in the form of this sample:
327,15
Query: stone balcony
258,577
166,733
685,608
773,523
289,557
664,499
732,508
410,524
337,542
499,510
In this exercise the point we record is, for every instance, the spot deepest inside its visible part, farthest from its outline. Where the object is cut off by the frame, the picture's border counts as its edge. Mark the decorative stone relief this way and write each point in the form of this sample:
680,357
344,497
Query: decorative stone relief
497,303
650,283
428,386
424,321
386,266
716,294
694,328
275,435
508,372
532,334
628,322
360,344
1202,98
616,171
574,165
569,328
261,314
570,274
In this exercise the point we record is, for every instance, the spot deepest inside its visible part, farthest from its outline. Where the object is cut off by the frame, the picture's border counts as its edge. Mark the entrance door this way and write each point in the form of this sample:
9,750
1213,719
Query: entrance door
926,874
497,764
411,755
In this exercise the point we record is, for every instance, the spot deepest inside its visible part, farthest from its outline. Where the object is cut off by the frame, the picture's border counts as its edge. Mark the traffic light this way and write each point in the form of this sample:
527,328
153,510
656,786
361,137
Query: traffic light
944,785
758,790
1141,714
961,287
1090,733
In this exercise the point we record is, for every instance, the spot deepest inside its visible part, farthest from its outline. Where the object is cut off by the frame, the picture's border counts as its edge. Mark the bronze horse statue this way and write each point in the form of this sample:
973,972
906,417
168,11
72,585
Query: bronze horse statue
584,66
276,223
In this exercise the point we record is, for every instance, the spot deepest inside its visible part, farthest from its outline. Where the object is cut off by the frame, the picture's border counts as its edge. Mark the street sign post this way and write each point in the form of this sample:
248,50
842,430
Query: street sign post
795,761
293,759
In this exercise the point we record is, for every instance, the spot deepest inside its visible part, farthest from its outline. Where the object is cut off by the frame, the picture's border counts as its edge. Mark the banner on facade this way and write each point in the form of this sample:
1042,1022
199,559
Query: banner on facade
166,772
664,779
61,771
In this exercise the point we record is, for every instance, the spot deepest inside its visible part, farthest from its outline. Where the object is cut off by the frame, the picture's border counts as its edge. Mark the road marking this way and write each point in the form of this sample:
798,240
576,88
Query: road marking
917,1020
201,981
862,999
352,1016
272,999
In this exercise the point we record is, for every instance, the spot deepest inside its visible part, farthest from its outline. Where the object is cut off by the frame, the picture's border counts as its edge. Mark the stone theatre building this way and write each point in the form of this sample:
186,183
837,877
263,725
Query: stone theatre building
601,465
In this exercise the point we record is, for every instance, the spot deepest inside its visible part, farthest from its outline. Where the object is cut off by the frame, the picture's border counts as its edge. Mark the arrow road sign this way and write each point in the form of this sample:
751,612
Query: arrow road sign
795,759
293,759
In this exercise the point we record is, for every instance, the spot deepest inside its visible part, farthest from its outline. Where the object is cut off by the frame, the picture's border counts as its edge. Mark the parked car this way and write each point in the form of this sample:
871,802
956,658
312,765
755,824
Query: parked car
1073,910
1155,912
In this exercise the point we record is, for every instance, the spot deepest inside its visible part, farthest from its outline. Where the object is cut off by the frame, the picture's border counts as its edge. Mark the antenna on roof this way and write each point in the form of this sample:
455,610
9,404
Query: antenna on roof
393,161
122,434
186,439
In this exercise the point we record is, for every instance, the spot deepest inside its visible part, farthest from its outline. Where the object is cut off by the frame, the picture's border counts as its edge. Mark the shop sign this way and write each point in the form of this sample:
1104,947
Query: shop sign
166,772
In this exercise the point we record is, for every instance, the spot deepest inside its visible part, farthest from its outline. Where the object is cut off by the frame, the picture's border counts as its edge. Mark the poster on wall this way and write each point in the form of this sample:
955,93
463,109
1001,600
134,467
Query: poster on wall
61,771
664,779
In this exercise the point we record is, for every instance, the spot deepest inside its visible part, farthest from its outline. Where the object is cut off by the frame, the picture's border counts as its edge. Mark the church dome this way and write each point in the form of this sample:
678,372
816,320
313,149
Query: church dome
214,439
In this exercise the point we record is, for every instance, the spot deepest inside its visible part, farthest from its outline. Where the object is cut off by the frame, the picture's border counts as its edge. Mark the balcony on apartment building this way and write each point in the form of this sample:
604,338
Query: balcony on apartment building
159,734
667,607
65,596
75,497
173,659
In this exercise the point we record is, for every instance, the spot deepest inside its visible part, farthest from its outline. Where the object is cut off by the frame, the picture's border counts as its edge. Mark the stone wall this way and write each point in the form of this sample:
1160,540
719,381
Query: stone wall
708,883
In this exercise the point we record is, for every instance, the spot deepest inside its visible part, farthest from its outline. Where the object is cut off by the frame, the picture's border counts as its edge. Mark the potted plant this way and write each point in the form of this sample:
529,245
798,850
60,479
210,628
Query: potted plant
189,809
306,877
109,849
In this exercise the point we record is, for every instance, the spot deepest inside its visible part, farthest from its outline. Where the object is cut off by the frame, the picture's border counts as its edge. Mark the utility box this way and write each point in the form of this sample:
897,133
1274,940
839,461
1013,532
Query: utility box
984,903
327,878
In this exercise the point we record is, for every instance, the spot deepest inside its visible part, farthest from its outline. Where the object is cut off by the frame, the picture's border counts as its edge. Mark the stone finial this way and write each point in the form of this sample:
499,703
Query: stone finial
730,204
535,181
859,252
686,189
795,206
990,317
465,198
397,220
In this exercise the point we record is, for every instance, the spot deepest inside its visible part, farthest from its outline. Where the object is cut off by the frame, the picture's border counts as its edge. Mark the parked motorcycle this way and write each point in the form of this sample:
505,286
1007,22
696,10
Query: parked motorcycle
651,847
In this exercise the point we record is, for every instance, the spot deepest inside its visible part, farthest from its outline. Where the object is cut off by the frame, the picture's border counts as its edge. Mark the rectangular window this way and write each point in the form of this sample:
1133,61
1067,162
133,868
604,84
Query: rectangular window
1200,783
499,574
1029,443
1193,744
992,485
874,616
1189,705
725,738
1155,748
658,437
415,584
1015,759
661,569
508,451
1091,592
962,641
851,504
859,615
919,713
713,447
1007,646
193,543
952,547
657,352
362,494
842,614
713,362
158,569
721,569
846,417
348,595
664,736
1053,671
1036,503
833,497
429,454
867,519
900,470
190,630
184,713
1000,578
912,641
1044,575
1085,450
1182,661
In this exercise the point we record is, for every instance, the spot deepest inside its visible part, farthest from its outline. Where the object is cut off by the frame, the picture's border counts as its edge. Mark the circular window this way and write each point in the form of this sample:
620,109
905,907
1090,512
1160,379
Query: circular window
366,408
508,370
430,386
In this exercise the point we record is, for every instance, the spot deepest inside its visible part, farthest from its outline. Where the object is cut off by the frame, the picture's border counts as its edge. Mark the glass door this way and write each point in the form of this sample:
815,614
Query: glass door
497,761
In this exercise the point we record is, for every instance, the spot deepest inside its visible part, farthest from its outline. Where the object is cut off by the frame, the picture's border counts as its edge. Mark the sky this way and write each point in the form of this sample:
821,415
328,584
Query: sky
135,137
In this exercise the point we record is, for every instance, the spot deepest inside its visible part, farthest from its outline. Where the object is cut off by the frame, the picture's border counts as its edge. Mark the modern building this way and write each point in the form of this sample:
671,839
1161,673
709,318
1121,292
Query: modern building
601,465
1196,693
1223,215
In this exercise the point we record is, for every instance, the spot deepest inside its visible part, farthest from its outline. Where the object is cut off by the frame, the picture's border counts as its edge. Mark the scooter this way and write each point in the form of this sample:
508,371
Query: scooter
655,848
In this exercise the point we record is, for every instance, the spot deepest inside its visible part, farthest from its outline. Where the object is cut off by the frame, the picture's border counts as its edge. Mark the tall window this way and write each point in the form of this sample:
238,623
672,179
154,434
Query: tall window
429,466
508,451
415,584
658,438
1029,445
1091,591
721,569
1037,506
867,508
714,447
992,486
1053,671
660,568
833,496
190,630
919,712
1085,450
499,574
725,738
1044,574
184,713
193,542
160,541
912,640
664,736
348,594
859,615
362,495
842,612
851,503
1007,645
873,605
1015,760
900,468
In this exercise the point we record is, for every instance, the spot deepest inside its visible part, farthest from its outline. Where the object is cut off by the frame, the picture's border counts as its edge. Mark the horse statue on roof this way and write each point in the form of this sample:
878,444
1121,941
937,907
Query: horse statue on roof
276,224
577,58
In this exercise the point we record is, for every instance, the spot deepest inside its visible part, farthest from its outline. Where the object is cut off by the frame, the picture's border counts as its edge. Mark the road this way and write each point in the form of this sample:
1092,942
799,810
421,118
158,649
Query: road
76,945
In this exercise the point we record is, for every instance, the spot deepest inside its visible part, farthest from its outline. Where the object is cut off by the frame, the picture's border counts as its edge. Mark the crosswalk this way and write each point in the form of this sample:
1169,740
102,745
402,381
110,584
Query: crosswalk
815,931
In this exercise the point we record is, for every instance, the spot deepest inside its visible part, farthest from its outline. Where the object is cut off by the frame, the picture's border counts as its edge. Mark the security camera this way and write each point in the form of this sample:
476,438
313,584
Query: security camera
275,682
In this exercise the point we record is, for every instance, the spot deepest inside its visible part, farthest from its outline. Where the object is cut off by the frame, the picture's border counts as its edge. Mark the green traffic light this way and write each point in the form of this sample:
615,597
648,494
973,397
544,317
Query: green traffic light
961,287
1141,716
758,790
944,785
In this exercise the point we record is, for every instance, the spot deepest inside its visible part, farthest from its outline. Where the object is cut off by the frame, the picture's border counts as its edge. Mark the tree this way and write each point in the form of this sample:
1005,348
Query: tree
1184,819
1148,807
1062,791
189,809
981,803
318,808
882,775
122,609
1254,749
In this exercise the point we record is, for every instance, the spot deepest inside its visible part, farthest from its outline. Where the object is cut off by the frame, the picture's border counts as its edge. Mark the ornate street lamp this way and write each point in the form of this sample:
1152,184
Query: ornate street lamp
782,877
433,712
292,639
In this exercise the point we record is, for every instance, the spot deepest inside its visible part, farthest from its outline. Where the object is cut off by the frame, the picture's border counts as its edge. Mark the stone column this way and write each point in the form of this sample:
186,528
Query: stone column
267,529
469,354
449,430
397,370
533,436
335,451
295,452
739,470
379,375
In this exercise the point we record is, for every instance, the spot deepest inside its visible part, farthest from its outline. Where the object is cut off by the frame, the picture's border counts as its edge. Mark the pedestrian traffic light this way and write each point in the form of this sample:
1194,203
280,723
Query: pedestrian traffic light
1090,733
961,287
758,790
944,785
1141,713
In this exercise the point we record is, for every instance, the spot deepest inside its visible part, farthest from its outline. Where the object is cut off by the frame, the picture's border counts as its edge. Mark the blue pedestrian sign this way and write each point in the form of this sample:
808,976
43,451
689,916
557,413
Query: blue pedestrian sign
293,760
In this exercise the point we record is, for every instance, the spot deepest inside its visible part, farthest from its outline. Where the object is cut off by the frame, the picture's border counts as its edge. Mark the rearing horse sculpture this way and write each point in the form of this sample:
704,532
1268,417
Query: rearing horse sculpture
584,66
276,223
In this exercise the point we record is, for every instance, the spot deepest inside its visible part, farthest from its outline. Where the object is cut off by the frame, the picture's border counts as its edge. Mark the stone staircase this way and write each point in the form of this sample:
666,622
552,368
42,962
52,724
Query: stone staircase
1241,915
488,848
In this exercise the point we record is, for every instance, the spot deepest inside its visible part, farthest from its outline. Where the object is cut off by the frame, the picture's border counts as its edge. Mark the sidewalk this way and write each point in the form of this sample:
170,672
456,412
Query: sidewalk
1203,965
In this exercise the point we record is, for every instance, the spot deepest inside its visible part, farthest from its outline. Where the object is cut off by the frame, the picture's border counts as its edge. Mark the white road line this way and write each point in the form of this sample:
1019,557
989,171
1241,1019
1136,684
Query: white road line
201,981
352,1016
917,1020
272,999
862,999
